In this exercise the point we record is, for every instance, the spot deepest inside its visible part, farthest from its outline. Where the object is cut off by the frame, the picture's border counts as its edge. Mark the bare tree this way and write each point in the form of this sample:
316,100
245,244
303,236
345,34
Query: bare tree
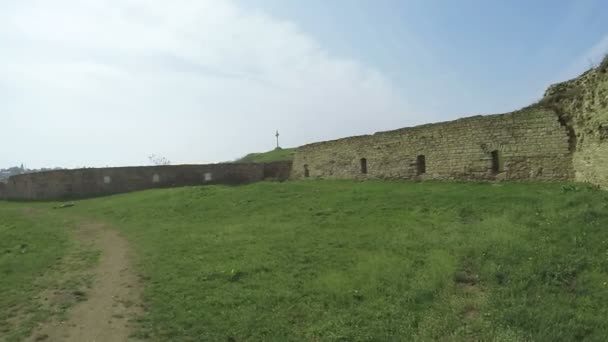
158,160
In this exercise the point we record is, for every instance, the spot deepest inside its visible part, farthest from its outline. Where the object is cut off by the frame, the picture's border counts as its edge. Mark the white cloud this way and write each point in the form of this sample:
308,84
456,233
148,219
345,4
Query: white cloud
110,82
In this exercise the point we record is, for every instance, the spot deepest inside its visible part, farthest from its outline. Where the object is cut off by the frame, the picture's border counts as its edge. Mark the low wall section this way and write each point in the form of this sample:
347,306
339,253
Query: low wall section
63,184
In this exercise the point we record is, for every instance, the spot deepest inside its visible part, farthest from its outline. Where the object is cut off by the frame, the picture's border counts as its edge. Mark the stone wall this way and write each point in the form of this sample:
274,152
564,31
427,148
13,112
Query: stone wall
277,170
562,137
529,144
63,184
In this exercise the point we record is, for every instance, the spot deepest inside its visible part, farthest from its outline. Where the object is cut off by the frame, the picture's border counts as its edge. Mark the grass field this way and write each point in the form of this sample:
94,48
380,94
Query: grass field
42,272
279,154
352,261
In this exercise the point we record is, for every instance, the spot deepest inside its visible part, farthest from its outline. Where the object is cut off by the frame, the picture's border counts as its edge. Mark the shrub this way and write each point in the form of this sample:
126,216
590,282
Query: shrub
604,65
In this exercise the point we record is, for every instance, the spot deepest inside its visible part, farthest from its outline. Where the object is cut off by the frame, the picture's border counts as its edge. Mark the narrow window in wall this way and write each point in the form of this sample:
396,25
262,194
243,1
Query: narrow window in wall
208,177
107,179
420,165
306,172
155,178
363,165
496,162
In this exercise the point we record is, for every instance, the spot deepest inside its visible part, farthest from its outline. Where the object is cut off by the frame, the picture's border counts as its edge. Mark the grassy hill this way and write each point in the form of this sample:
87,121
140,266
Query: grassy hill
354,261
279,154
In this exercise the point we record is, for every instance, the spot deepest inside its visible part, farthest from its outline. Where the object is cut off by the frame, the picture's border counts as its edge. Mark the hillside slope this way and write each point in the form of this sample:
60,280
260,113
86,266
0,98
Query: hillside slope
354,261
278,154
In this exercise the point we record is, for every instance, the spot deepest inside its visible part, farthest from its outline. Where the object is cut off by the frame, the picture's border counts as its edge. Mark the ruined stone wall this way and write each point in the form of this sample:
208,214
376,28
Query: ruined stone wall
563,137
280,170
62,184
582,104
528,144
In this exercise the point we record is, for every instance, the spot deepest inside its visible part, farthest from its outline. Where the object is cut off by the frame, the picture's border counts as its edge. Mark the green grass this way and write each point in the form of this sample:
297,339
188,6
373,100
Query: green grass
40,267
280,154
368,261
363,261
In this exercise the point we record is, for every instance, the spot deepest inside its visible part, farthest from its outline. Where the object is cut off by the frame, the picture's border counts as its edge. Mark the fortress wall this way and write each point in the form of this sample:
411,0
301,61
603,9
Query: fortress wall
277,170
563,137
80,183
531,144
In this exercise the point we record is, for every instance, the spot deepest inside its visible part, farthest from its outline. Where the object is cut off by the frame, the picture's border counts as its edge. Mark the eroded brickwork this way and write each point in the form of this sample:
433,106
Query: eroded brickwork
582,104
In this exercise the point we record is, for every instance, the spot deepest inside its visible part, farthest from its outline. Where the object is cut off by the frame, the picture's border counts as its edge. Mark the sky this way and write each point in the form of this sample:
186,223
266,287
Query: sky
88,83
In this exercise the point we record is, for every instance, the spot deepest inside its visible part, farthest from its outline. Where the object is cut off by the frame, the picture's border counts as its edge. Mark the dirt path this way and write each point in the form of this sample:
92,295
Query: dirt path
113,300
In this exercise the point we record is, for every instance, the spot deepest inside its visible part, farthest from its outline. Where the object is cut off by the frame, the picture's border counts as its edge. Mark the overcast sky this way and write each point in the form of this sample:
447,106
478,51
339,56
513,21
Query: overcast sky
110,82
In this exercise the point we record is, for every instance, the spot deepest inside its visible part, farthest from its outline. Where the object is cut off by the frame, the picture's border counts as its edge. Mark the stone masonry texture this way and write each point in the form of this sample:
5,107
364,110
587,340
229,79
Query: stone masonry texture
529,144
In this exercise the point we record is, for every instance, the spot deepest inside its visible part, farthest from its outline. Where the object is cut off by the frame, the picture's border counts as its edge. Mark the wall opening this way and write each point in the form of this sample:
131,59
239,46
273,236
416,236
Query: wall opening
155,178
306,172
496,162
420,165
107,179
208,177
363,165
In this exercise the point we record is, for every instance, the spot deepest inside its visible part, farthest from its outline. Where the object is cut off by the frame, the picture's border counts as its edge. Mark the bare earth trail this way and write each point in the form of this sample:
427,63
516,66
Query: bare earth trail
113,301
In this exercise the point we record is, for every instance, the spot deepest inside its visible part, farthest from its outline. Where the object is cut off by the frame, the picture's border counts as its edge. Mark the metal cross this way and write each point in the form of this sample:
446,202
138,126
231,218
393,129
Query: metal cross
277,135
